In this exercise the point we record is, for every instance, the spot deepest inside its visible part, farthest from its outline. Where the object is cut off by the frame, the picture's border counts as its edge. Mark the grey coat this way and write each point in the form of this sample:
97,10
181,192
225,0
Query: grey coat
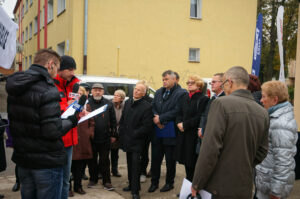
275,175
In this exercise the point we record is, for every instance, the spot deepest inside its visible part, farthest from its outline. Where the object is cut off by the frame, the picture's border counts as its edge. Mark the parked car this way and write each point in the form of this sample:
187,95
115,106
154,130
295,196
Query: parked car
111,84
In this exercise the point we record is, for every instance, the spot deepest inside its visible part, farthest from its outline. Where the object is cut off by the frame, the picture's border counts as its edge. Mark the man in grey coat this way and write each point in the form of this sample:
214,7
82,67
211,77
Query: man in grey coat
236,140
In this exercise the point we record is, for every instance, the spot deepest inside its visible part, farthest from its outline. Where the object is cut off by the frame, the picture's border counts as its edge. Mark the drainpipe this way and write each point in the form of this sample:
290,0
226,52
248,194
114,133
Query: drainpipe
85,37
38,30
46,23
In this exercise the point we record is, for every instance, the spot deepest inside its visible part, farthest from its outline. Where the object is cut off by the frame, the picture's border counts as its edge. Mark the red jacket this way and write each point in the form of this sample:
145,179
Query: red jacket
64,87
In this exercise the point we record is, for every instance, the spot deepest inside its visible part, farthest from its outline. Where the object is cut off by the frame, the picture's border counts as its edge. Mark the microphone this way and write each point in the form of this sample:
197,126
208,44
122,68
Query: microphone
74,94
81,102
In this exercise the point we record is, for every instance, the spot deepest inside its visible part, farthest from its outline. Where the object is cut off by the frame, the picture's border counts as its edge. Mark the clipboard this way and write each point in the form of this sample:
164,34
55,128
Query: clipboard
167,132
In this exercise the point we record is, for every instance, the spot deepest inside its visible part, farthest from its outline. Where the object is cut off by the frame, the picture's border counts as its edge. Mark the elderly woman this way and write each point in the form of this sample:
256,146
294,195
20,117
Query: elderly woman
118,102
275,175
82,152
193,104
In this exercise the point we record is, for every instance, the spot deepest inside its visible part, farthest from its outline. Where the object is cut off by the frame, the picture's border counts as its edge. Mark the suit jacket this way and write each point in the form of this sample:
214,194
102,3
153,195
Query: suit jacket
236,140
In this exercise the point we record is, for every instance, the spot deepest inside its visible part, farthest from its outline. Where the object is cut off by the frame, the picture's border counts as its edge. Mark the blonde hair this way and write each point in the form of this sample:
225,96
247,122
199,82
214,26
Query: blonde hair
198,81
121,93
81,88
276,88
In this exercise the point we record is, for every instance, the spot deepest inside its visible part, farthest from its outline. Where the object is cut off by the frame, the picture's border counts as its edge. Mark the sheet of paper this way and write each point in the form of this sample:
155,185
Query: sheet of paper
94,113
186,190
69,111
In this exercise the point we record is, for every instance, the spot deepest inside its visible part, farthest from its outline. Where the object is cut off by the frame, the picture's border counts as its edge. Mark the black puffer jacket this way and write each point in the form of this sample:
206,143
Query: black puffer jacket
135,125
105,123
35,123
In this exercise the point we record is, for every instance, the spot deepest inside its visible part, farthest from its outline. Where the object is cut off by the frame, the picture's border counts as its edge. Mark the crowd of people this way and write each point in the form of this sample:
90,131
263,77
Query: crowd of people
241,139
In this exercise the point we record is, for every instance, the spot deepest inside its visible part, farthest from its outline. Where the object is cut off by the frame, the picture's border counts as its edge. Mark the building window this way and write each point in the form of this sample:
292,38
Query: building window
30,2
30,30
42,18
35,24
194,55
26,6
50,10
25,63
22,11
22,37
26,33
61,48
61,6
196,7
30,61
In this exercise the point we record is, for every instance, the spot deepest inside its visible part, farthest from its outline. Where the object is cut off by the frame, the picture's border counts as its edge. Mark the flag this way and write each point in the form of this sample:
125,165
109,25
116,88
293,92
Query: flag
257,46
279,24
8,30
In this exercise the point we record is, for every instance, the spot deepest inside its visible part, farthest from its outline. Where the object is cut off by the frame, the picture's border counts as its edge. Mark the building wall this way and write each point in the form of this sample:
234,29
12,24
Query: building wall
297,77
141,39
155,35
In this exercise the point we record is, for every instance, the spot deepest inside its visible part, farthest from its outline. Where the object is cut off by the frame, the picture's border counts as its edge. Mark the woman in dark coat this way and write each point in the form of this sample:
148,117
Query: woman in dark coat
193,104
82,152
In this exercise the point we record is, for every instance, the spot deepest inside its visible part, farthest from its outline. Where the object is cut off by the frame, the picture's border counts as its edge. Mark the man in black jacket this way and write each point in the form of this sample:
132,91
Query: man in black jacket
105,133
135,126
165,107
36,127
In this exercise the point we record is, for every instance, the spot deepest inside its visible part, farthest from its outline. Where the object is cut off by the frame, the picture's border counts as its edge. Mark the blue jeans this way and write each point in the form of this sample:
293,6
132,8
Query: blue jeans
66,174
41,183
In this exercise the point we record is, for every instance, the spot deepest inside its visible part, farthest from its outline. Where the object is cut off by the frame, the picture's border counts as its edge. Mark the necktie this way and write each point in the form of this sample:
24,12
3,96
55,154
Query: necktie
166,94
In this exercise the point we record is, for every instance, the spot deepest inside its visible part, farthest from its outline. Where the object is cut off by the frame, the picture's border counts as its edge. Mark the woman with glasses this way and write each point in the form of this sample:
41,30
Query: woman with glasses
193,104
275,175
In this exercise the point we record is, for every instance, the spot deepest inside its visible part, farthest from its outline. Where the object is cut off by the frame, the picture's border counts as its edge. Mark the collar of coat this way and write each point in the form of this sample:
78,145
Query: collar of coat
243,93
40,70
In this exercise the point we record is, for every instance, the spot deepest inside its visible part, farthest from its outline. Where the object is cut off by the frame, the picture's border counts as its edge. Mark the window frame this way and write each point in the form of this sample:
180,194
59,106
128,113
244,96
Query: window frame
197,58
50,17
30,30
60,8
199,9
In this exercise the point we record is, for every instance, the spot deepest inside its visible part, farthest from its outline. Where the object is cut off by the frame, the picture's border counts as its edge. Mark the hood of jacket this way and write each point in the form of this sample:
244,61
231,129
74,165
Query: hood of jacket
19,82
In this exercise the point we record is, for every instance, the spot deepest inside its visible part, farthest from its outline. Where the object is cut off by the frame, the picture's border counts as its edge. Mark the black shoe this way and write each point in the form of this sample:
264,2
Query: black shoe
127,188
80,191
152,188
1,196
84,177
167,187
116,174
135,196
16,187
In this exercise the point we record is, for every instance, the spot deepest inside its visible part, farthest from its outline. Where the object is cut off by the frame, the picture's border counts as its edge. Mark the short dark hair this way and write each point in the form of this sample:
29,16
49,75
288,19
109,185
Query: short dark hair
238,74
219,74
177,75
42,56
168,72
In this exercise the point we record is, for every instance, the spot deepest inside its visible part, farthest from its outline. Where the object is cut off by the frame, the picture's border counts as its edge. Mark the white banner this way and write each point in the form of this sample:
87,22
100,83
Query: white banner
8,30
279,23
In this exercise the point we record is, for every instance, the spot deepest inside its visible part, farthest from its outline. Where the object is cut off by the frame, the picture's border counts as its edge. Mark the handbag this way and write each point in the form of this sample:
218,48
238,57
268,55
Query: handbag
191,197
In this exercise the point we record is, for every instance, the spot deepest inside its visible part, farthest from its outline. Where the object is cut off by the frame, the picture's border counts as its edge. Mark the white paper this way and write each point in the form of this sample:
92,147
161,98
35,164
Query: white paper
8,30
70,111
186,190
94,113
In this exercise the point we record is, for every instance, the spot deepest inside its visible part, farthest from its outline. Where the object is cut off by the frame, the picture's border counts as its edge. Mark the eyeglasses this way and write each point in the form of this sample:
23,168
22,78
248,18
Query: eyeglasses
190,82
213,82
222,85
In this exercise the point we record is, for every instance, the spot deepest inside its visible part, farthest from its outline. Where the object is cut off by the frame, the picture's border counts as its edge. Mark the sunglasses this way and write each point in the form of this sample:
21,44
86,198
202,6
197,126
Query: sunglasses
190,82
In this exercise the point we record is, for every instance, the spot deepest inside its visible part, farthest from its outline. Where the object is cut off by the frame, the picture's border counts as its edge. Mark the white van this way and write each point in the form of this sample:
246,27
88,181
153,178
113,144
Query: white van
111,84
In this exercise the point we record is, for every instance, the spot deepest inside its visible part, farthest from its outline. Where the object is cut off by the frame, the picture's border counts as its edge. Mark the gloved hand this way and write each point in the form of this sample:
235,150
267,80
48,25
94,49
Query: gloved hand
73,119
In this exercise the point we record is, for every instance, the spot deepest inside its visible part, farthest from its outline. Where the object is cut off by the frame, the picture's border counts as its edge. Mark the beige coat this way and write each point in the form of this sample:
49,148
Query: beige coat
236,140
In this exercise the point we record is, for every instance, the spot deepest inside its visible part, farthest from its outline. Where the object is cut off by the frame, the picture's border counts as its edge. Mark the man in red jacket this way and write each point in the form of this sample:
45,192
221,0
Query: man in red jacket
64,82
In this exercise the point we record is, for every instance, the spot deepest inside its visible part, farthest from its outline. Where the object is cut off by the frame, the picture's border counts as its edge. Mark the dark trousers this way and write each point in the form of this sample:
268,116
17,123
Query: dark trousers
189,172
159,150
133,168
16,174
145,157
78,167
114,157
101,150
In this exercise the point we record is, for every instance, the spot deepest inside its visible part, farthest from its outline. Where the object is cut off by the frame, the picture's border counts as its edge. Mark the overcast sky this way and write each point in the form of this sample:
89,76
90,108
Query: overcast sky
9,6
